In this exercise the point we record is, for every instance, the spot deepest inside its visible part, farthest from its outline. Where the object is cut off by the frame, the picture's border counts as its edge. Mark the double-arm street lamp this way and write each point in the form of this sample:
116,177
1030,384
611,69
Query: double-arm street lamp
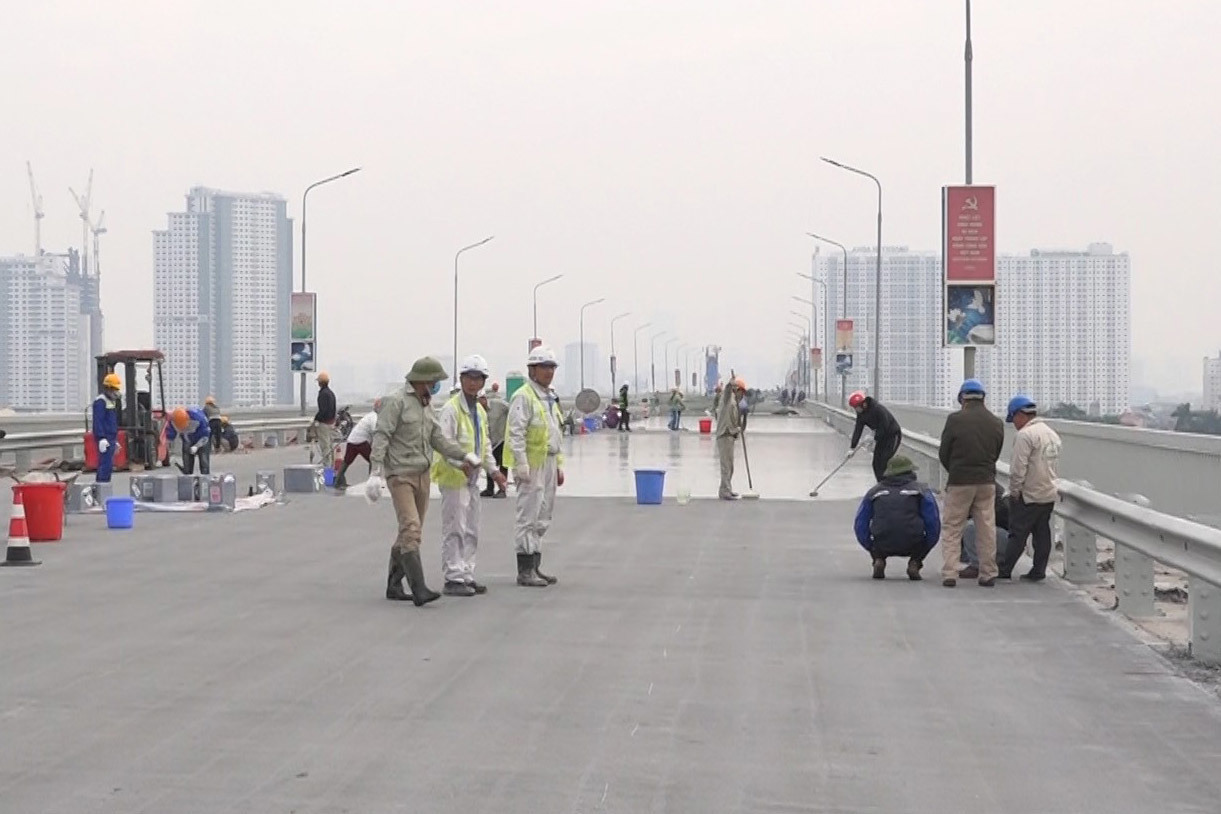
582,346
614,362
636,356
456,256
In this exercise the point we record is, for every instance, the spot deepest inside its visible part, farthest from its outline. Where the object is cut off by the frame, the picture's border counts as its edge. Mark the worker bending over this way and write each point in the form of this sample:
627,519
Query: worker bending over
359,444
887,434
192,425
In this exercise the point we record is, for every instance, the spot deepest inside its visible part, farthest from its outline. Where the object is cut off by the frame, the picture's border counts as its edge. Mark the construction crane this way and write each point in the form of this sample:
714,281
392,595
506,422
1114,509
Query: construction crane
38,213
83,204
98,228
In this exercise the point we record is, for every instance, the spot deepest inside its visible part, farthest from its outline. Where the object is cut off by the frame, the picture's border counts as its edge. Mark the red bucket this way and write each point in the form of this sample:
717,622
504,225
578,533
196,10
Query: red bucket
705,426
44,510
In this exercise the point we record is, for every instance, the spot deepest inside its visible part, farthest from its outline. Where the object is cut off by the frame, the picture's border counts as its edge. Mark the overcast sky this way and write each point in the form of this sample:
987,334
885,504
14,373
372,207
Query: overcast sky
662,155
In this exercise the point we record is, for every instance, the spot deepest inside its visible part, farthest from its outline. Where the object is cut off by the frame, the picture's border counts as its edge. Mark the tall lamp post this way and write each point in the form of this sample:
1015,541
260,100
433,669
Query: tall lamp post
806,367
877,283
582,318
665,361
636,356
814,335
968,354
614,362
304,200
843,293
536,288
456,256
653,360
680,365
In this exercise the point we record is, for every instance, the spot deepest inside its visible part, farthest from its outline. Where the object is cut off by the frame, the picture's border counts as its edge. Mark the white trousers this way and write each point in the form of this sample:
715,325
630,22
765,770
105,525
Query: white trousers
535,504
459,532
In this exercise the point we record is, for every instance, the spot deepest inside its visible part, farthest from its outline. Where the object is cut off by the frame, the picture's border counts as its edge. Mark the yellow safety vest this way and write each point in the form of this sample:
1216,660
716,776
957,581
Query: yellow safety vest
537,432
445,475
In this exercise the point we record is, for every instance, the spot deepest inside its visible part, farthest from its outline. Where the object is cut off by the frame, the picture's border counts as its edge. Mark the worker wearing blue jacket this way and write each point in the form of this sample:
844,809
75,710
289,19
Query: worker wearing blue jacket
106,425
192,425
898,518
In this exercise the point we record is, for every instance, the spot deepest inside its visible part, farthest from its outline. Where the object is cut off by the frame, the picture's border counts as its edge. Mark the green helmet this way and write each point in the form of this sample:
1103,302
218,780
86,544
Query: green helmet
426,370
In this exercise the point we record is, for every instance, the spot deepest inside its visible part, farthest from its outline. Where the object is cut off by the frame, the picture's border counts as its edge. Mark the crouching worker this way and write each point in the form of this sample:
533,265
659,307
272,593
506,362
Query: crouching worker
898,518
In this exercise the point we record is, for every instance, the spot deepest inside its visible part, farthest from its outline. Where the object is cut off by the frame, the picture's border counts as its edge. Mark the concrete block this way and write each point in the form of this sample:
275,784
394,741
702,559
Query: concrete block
142,487
84,497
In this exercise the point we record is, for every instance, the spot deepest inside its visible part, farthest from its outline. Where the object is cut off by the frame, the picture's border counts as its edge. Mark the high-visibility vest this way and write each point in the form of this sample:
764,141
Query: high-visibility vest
538,433
444,474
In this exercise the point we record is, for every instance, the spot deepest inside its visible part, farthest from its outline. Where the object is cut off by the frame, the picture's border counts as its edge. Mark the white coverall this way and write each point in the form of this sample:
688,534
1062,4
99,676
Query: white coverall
536,498
460,507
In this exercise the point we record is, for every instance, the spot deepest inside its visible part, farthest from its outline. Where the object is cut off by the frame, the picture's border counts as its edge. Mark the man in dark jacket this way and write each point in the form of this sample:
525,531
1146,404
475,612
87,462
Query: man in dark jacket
898,518
971,443
324,419
887,434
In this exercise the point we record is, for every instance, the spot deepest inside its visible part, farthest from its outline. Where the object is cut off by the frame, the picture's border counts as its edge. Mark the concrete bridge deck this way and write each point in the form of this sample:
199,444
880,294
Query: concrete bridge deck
712,657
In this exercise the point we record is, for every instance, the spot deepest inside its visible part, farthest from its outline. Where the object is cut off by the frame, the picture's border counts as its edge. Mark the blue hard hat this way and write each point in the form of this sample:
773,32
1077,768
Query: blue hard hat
1018,404
973,386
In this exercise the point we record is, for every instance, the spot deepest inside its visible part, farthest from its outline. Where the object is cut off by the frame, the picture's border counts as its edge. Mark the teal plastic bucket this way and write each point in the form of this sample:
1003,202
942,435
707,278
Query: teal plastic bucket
650,484
120,512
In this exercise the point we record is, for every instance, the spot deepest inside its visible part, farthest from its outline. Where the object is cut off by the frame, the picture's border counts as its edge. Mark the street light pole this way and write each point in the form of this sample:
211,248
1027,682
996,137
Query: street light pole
653,360
614,361
877,283
536,288
843,292
636,356
456,256
582,345
304,201
810,325
665,360
968,354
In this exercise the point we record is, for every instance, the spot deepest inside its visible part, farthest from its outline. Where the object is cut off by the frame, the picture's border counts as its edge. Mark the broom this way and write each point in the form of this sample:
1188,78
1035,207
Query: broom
750,493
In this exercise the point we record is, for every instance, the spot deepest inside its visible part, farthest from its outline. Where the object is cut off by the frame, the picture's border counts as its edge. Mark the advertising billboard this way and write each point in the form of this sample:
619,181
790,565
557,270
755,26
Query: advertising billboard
968,252
843,346
302,333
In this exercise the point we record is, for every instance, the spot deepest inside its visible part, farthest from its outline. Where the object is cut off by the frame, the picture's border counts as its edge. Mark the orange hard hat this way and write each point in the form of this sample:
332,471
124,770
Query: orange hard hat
739,383
180,418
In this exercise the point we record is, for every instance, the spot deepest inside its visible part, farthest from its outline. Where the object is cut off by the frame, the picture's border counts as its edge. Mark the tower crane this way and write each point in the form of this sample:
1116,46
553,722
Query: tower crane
98,229
83,204
38,213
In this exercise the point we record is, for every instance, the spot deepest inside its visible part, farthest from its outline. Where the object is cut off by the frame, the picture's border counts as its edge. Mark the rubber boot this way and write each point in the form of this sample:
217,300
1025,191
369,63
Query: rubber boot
879,568
538,558
394,582
420,594
913,569
341,482
526,575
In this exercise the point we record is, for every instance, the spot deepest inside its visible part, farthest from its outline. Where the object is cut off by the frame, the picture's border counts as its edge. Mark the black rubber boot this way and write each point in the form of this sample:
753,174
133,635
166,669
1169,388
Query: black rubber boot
913,569
420,594
538,558
879,568
394,582
341,482
526,576
458,589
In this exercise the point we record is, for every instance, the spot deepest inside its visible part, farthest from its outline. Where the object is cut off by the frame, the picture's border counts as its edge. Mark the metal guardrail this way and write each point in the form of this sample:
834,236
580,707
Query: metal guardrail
1141,536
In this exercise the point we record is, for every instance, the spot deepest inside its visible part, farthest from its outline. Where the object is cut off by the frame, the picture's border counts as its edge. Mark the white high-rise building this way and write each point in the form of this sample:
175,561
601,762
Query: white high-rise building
44,339
1212,383
222,275
915,368
597,369
1063,330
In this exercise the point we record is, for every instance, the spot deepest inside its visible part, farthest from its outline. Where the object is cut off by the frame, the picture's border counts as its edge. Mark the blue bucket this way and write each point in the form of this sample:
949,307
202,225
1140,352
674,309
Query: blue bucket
120,512
650,483
591,423
328,476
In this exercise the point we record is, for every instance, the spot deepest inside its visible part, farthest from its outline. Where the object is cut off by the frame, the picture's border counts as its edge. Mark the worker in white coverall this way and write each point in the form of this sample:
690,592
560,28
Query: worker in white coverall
532,452
463,419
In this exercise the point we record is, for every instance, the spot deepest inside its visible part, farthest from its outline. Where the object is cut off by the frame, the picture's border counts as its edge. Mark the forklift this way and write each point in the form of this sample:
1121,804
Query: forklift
142,442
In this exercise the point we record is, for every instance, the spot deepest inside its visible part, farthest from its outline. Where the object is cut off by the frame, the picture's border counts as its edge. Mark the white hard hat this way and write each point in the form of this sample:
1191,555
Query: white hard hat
542,355
474,364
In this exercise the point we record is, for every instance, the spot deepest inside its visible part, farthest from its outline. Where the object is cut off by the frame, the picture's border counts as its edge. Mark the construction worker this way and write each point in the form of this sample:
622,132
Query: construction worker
463,420
212,411
403,441
359,444
106,425
498,420
728,428
324,419
971,444
898,518
625,411
1032,488
677,405
192,425
887,434
532,451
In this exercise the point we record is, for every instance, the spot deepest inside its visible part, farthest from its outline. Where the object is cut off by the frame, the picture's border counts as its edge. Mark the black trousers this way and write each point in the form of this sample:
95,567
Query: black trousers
204,456
884,449
498,453
214,426
1027,520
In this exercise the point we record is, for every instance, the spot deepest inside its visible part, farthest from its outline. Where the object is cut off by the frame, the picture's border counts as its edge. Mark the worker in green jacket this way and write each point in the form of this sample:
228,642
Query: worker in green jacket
407,432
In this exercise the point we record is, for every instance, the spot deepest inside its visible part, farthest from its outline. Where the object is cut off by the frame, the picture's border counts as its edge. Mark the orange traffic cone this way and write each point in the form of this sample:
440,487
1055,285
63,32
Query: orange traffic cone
18,536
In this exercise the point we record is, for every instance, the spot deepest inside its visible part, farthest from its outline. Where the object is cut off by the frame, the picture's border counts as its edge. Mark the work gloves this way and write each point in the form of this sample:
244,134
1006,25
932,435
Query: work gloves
849,453
197,447
373,486
103,445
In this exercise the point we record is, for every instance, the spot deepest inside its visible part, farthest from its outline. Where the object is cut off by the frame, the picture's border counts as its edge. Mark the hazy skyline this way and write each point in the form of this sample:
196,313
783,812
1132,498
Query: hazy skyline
664,156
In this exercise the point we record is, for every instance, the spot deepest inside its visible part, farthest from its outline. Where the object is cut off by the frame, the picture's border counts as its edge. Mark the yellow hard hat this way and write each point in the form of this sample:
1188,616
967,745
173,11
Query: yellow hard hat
111,382
324,378
210,400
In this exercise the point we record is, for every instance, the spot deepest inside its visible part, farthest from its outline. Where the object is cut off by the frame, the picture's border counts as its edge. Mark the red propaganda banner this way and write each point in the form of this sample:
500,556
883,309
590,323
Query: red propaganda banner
969,216
816,357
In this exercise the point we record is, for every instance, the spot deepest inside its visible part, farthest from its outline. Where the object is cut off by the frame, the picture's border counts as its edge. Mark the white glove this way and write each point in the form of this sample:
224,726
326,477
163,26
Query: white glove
103,445
195,449
521,474
373,488
849,453
472,459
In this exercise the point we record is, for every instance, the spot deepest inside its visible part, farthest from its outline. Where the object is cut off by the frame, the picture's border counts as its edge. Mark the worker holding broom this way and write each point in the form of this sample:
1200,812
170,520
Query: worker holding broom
887,434
728,430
